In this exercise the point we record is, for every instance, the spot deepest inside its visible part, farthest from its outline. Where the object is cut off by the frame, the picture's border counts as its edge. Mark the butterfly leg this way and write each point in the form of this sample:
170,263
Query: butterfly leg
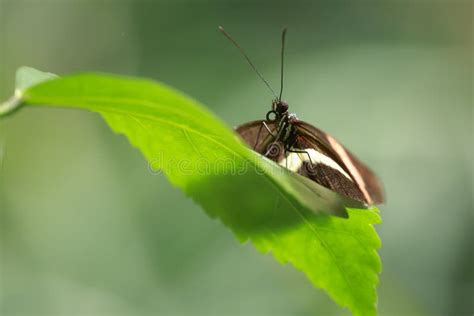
299,152
260,130
268,129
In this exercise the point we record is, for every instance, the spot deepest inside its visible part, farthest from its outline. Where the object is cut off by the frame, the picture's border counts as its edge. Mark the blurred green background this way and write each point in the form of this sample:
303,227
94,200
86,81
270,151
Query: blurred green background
87,230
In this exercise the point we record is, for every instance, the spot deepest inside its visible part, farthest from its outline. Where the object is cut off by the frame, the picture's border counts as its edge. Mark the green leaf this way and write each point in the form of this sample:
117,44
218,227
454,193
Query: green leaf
260,201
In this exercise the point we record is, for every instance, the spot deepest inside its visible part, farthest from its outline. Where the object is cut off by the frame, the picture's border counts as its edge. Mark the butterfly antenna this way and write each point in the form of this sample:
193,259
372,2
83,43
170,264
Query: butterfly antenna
247,58
283,35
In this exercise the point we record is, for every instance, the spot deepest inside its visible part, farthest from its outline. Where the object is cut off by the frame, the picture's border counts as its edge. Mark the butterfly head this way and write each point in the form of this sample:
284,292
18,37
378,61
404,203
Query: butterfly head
280,106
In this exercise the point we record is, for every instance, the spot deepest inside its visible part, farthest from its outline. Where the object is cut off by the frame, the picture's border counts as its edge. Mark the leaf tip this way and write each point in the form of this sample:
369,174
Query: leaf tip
28,76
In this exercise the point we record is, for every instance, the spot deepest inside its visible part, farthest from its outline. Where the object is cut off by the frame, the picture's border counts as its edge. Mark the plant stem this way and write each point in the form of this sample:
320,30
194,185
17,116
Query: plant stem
12,104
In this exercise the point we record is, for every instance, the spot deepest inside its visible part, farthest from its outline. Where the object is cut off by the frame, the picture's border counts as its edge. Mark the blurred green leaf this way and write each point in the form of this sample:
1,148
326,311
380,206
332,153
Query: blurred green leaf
257,199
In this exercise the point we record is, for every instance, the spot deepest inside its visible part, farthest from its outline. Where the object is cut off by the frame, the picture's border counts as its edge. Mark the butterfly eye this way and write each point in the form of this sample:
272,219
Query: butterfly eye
272,116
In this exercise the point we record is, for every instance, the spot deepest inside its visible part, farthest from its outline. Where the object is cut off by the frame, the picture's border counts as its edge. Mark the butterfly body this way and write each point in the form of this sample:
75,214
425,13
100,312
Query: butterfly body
312,153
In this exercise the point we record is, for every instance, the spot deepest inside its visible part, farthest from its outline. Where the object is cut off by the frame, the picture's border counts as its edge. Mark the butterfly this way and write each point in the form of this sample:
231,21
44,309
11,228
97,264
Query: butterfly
307,150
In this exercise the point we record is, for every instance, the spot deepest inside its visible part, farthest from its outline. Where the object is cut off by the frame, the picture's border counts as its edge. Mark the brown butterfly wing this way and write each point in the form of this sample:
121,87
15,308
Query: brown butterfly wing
363,185
366,180
255,134
331,178
258,138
